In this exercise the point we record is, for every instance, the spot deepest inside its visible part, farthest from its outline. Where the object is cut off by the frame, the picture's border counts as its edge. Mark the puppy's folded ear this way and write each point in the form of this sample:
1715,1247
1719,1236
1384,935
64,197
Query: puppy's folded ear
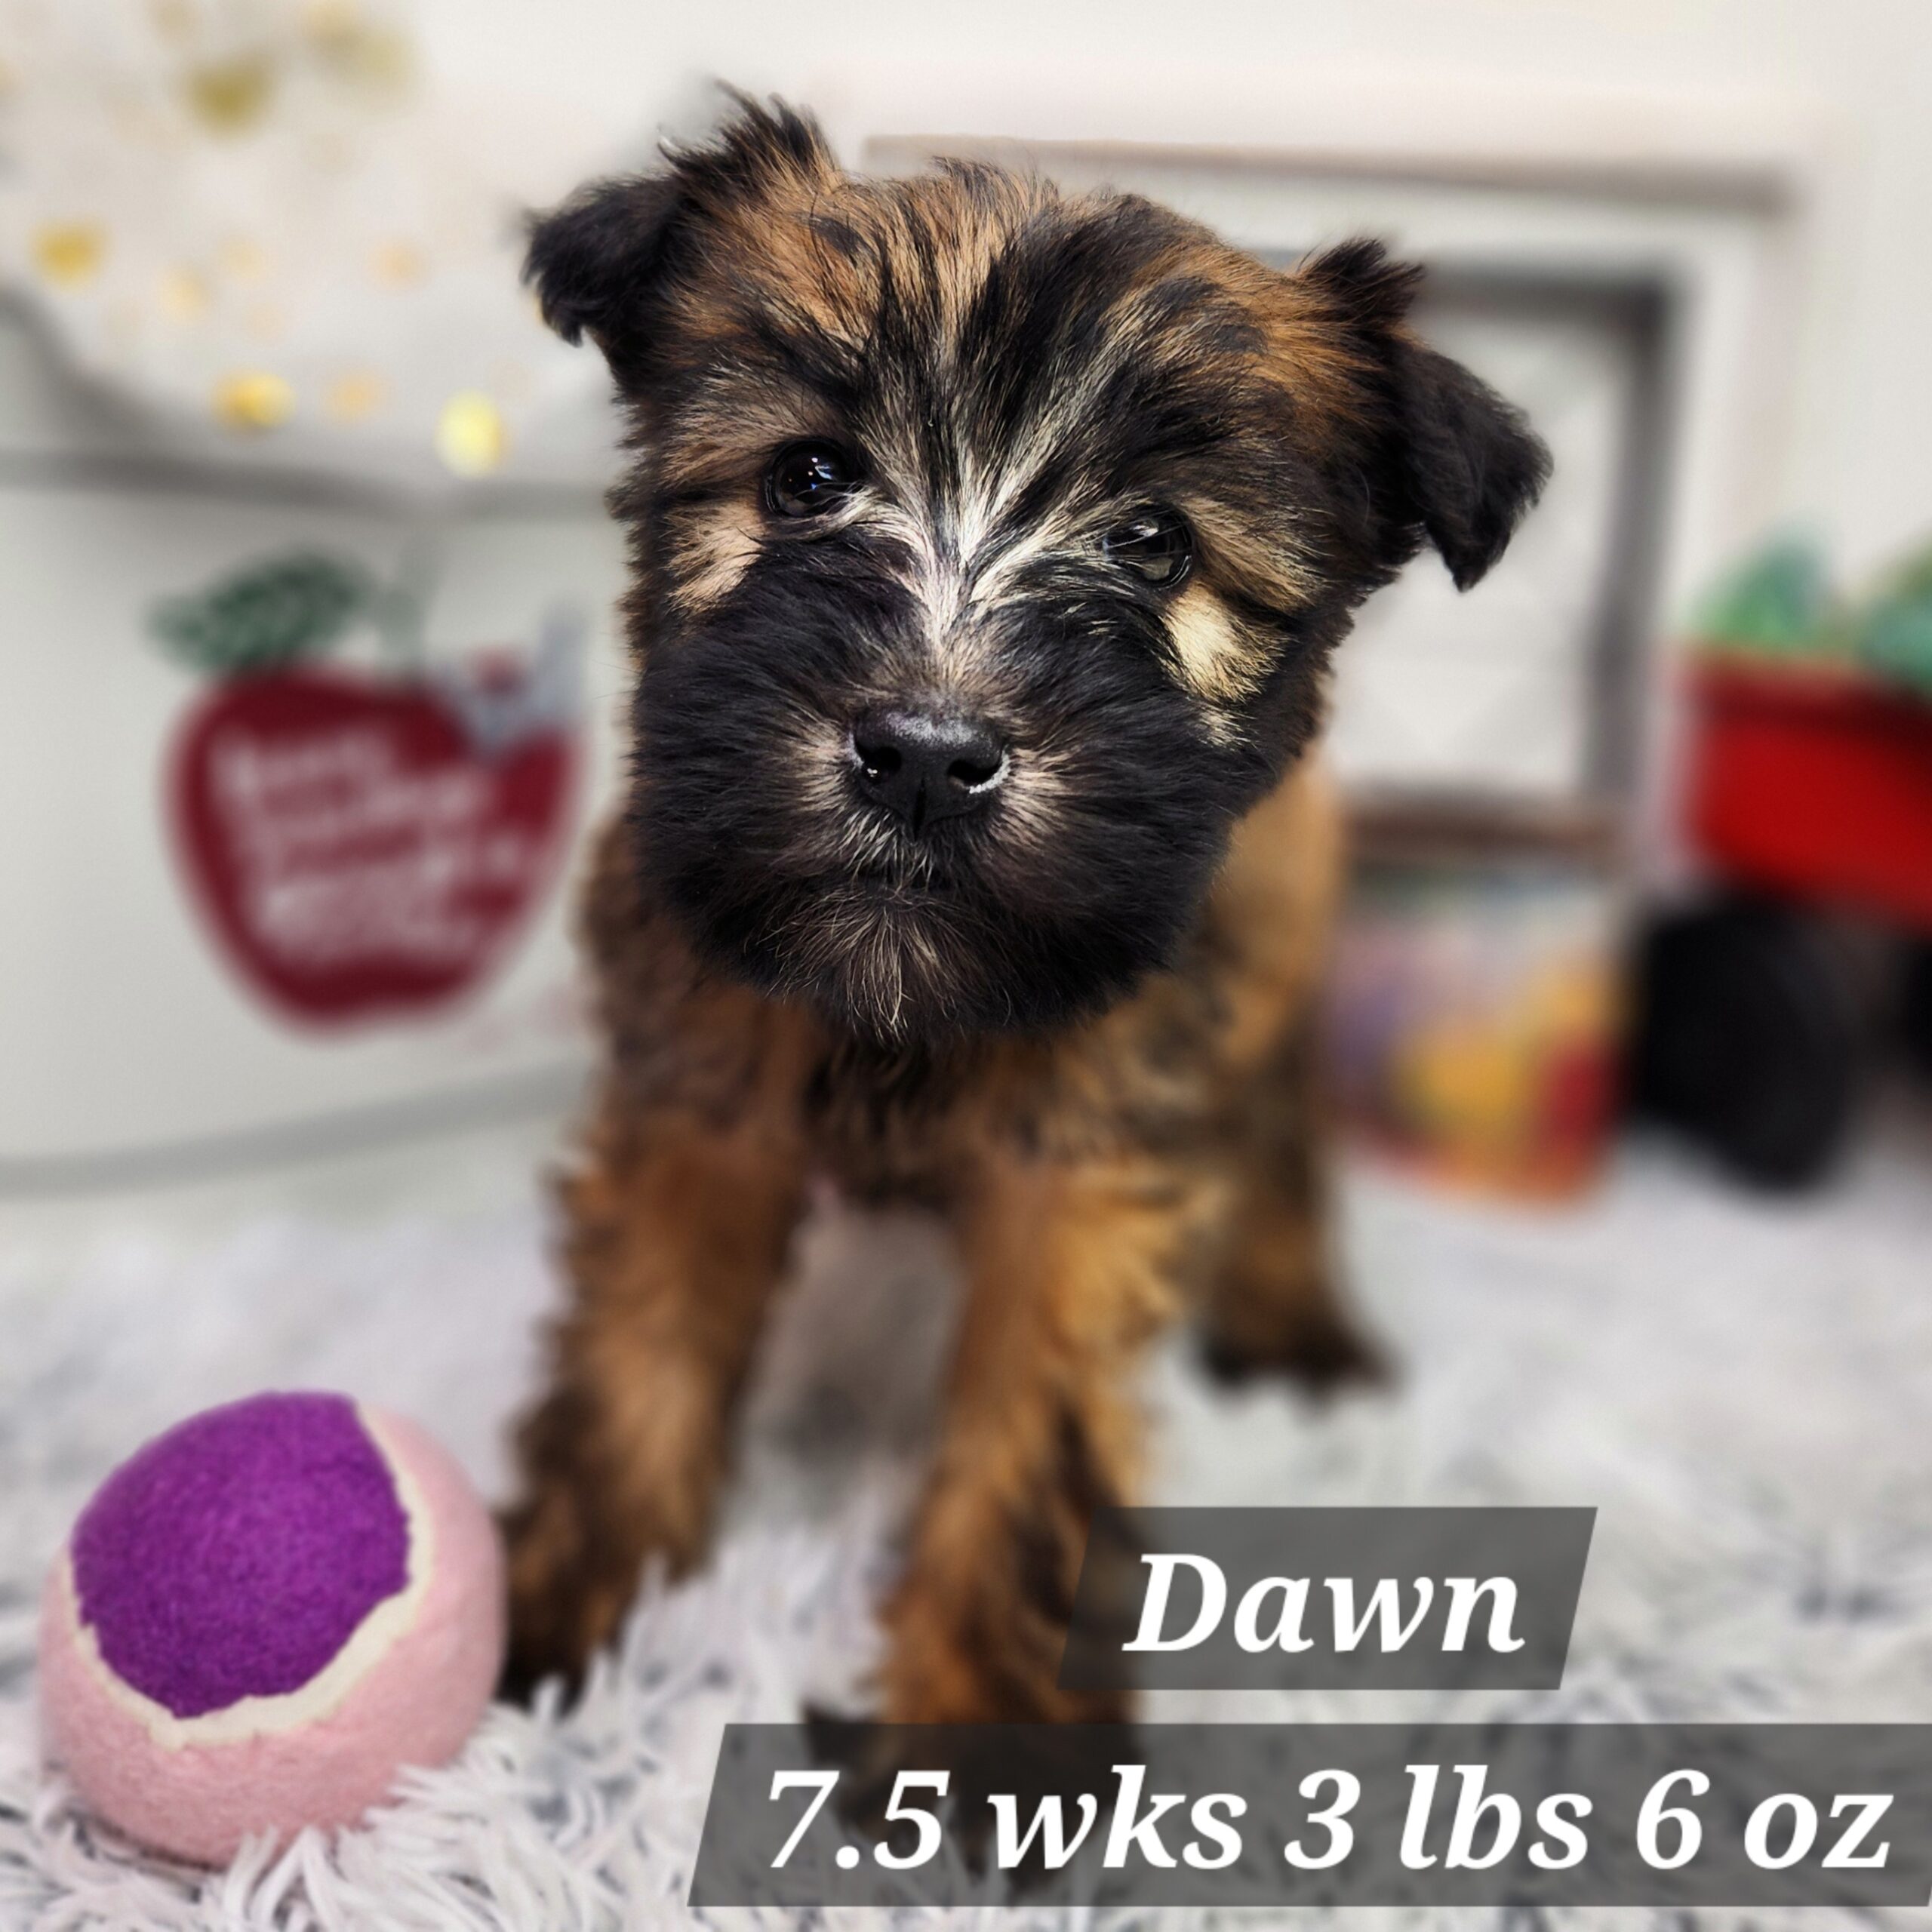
1474,466
1451,462
595,262
608,262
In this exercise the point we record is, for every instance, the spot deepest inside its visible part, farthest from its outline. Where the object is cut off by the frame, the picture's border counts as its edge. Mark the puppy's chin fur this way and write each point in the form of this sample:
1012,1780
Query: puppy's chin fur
903,963
892,974
898,975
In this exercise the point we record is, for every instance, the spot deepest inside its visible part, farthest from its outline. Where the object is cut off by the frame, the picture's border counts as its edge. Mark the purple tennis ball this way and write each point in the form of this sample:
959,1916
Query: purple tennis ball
261,1616
234,1557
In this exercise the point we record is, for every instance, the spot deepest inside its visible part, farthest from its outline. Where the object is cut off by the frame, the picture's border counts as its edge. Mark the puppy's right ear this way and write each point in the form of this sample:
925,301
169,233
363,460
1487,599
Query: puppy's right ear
1453,463
607,263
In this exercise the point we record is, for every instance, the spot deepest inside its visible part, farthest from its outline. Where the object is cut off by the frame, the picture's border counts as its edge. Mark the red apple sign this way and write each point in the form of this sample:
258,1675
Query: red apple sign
356,852
363,845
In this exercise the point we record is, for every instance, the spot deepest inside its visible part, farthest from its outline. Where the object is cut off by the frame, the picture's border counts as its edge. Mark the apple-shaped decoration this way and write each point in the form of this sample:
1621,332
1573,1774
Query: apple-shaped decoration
362,845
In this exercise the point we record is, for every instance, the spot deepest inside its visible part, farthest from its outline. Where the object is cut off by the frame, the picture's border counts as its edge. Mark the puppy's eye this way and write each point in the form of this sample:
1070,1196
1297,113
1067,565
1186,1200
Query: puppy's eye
1155,544
807,479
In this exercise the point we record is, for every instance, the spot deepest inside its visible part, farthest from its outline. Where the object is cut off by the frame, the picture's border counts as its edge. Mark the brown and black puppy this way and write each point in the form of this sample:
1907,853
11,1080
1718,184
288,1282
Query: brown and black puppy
989,547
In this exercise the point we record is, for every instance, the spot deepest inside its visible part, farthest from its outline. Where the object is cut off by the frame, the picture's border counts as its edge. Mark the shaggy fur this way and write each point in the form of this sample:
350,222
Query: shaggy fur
1059,987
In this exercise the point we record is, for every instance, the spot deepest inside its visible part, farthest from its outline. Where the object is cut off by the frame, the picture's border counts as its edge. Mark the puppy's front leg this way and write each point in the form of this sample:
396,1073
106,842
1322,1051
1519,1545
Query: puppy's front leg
677,1230
1272,1301
1070,1269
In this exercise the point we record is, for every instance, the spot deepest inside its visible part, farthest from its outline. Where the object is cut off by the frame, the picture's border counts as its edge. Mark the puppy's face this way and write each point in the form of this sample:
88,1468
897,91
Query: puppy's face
990,545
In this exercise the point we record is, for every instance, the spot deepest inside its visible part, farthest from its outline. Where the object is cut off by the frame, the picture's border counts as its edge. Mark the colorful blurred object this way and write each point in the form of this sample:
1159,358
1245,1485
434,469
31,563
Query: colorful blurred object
1777,603
1474,1017
1818,784
364,842
1780,604
1810,757
1893,633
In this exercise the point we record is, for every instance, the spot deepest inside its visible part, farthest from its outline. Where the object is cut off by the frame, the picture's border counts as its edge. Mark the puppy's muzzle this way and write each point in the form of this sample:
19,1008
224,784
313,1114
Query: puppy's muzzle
923,763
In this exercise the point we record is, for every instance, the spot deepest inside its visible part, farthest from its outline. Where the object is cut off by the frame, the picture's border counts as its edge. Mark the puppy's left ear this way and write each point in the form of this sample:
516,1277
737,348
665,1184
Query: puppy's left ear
608,264
596,263
1453,463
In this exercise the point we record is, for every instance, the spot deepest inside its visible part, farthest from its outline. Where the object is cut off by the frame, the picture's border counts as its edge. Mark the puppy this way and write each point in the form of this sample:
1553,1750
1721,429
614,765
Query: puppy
988,546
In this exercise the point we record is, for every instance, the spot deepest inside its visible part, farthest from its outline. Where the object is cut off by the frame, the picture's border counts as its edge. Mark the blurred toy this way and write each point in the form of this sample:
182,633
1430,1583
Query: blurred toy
263,1615
1474,1014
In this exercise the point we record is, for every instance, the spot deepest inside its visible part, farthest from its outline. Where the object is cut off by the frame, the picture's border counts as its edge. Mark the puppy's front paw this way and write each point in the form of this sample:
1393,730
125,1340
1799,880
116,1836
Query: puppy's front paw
564,1604
1315,1342
993,1661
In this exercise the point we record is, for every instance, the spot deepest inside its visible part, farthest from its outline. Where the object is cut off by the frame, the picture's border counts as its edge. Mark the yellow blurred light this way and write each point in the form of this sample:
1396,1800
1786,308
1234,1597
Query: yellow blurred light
397,263
229,97
243,260
182,295
253,399
358,51
69,253
175,18
331,19
355,395
470,438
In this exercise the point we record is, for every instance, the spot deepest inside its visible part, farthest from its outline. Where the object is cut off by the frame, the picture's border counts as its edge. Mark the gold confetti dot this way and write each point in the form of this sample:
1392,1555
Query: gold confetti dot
253,399
358,394
69,253
469,434
330,20
229,97
243,260
182,295
174,18
397,263
372,59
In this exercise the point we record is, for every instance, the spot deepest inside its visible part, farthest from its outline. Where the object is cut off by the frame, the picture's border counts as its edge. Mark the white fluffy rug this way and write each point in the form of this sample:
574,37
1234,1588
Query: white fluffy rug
1740,1388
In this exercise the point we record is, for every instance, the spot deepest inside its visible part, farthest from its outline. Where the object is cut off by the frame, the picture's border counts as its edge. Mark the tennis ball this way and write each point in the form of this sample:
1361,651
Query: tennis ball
261,1617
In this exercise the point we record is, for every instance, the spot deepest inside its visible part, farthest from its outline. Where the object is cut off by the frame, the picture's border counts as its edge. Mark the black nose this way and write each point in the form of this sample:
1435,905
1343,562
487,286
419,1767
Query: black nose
925,764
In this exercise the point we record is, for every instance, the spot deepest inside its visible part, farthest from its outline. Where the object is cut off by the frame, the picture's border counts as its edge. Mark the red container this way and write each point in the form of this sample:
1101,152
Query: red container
1815,781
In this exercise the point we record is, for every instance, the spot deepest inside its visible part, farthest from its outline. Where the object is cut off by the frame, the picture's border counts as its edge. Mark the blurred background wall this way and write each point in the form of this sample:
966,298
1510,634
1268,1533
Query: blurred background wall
1688,238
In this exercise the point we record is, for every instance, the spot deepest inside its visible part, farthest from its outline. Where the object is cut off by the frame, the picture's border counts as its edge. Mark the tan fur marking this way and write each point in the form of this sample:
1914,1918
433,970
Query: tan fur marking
1216,660
711,552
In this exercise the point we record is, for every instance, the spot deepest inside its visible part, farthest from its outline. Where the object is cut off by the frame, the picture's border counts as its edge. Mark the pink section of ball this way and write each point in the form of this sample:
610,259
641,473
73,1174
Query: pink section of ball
417,1705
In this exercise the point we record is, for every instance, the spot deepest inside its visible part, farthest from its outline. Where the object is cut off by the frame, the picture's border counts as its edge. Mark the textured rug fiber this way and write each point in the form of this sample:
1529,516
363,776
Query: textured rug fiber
1741,1389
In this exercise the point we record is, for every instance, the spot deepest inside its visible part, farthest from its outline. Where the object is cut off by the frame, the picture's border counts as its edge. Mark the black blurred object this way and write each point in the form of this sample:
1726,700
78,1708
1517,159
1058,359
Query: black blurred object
1748,1039
1916,1010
